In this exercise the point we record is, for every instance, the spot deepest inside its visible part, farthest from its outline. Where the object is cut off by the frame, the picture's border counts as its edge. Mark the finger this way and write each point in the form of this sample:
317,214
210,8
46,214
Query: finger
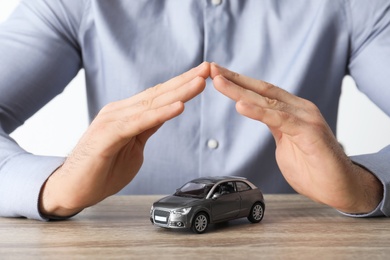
285,119
116,133
182,94
274,119
274,113
232,90
237,93
201,71
249,103
303,108
146,120
279,122
258,86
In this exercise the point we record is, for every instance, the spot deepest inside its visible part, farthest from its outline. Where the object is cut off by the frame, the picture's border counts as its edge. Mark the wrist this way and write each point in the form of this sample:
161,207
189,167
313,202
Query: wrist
50,205
366,193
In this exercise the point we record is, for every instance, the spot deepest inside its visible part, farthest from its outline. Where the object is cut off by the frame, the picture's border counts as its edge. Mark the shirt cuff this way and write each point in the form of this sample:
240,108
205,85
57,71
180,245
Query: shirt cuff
21,180
379,165
377,212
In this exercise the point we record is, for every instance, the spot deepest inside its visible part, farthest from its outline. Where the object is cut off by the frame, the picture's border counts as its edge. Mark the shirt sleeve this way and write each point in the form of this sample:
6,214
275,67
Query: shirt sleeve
369,66
378,164
39,57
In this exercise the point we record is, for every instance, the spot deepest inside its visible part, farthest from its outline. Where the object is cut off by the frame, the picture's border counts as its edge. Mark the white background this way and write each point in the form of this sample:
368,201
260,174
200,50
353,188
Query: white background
55,129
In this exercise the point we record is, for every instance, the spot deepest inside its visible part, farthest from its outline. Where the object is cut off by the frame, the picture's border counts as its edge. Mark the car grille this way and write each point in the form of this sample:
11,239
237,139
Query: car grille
161,216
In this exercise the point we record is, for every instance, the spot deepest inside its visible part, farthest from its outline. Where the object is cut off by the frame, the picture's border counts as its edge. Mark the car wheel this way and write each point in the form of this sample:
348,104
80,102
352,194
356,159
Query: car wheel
200,223
257,212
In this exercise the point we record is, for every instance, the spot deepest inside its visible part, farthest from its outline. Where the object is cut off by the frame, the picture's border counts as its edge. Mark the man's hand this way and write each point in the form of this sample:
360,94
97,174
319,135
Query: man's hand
110,153
307,152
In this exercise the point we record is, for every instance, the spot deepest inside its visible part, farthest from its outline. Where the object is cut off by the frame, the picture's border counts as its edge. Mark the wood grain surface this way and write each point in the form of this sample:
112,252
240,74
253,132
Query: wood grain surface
119,228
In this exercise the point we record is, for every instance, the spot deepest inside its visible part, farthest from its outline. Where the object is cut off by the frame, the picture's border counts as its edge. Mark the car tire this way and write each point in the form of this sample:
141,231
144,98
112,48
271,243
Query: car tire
257,213
200,223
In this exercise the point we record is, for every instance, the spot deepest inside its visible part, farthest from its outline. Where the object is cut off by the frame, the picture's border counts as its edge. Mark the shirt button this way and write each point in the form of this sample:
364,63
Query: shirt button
216,2
212,144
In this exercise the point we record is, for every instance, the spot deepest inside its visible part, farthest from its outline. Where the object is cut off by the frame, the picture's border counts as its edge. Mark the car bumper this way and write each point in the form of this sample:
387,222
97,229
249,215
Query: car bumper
165,218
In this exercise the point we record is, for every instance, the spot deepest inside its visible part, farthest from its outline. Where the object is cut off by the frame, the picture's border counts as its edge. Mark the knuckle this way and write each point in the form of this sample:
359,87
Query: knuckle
288,117
235,74
156,88
313,112
310,106
272,102
153,91
145,103
107,108
266,88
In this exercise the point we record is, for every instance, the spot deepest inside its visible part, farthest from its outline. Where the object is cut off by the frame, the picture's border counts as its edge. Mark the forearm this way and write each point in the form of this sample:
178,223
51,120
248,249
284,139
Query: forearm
21,178
36,64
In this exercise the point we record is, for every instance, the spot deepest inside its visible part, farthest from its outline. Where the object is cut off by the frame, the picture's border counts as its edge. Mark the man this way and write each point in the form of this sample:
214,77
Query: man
305,47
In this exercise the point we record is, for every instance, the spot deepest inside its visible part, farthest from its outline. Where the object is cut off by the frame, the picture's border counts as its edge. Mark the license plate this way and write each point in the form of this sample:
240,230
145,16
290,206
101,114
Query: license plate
159,218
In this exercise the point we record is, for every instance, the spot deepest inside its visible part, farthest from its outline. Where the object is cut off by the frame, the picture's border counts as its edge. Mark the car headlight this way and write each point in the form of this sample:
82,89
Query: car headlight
151,210
181,211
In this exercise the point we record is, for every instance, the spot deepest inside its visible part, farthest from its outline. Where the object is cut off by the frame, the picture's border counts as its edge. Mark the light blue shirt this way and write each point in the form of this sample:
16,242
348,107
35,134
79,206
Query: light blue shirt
305,47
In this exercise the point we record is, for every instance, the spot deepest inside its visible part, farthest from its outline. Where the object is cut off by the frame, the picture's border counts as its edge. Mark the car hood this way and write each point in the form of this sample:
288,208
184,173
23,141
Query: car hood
176,202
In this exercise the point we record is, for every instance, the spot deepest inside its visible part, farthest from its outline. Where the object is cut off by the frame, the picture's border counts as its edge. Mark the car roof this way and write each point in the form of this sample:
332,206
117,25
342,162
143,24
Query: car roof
216,179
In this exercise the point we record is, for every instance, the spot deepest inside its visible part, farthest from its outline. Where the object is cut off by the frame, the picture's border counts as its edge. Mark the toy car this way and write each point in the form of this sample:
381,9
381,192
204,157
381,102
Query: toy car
209,200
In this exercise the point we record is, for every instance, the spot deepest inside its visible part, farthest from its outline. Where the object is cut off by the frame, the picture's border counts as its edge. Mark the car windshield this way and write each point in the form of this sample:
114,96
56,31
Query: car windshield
194,190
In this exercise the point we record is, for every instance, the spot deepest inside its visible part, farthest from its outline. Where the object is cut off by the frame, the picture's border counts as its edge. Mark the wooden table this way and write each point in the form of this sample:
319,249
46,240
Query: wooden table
119,228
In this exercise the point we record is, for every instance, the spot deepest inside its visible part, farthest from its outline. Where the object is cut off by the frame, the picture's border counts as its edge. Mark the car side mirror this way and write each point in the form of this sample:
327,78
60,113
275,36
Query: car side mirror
216,195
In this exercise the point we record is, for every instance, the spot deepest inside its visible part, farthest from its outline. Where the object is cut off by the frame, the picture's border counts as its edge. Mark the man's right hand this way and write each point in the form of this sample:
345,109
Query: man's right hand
110,153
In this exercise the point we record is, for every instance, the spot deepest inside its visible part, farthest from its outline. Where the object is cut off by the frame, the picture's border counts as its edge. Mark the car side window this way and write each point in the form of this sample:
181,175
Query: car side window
226,188
242,186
